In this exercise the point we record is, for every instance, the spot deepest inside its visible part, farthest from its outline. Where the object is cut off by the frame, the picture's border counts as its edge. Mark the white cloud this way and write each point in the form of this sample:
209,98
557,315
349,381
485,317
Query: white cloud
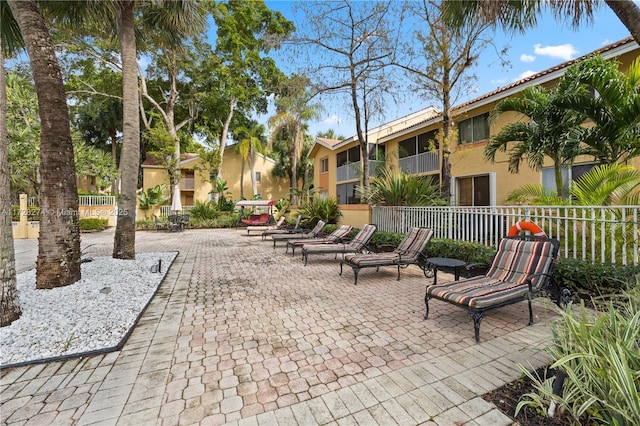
527,73
334,119
562,51
499,81
527,58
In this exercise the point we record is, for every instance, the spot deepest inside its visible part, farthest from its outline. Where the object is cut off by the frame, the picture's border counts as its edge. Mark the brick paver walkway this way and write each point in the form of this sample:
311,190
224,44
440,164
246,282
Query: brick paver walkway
240,333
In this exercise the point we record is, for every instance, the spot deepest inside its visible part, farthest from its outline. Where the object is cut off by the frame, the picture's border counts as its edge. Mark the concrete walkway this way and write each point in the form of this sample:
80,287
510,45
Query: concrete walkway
242,334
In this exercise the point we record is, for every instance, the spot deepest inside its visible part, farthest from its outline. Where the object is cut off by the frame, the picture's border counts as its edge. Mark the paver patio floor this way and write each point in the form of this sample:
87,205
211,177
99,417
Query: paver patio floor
242,333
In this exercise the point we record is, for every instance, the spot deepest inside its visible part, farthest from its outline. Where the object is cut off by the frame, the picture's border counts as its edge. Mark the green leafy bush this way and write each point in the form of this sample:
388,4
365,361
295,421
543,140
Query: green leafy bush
203,211
464,250
222,220
320,209
598,351
152,197
226,205
144,224
93,224
388,239
587,280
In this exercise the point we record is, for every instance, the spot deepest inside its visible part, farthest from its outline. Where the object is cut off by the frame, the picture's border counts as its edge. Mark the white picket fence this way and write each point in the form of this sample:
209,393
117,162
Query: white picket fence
84,200
96,200
166,210
594,234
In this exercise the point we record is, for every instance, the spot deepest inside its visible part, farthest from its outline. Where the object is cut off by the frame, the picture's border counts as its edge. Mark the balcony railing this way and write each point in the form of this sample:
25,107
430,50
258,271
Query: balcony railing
188,184
348,172
421,163
595,234
166,210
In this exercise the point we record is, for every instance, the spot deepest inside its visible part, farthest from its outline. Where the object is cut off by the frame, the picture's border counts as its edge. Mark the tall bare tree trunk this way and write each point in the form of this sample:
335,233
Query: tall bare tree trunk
124,244
9,304
223,135
58,261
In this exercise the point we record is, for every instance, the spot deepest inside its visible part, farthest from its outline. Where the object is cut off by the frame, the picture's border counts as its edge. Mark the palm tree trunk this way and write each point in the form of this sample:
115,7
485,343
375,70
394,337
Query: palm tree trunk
9,304
115,182
124,244
629,14
58,261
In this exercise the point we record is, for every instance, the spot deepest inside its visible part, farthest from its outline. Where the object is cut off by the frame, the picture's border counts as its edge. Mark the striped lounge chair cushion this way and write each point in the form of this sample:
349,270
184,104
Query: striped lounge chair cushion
372,259
414,243
363,237
311,234
339,234
505,280
355,245
407,251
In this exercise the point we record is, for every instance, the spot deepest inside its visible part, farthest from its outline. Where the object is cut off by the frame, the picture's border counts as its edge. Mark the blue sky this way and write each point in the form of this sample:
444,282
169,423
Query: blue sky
550,44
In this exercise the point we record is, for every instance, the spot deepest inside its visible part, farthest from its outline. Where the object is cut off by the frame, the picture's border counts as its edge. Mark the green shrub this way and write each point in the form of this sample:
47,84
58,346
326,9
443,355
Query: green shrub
203,211
93,224
329,228
598,351
225,205
144,224
222,220
382,238
320,209
587,280
464,250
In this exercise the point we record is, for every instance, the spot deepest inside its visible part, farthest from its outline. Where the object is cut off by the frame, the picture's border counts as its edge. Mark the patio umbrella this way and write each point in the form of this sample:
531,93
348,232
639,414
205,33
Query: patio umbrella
176,204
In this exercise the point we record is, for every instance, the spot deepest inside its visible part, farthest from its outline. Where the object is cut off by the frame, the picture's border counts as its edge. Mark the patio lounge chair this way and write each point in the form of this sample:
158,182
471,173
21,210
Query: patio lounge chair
257,228
356,245
409,252
313,233
521,270
337,236
284,230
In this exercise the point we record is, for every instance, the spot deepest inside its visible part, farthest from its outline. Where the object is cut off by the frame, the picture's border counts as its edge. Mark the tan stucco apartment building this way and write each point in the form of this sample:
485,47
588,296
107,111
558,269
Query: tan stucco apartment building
411,144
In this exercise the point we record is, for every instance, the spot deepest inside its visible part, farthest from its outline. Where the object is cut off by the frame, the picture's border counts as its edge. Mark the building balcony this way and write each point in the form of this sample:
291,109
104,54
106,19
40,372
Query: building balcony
187,184
421,163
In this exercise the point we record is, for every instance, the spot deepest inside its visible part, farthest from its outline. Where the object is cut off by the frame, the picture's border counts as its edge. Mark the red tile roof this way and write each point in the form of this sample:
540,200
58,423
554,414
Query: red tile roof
547,71
154,161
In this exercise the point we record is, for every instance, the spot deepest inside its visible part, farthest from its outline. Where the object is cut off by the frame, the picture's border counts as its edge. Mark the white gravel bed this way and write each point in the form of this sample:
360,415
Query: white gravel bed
91,314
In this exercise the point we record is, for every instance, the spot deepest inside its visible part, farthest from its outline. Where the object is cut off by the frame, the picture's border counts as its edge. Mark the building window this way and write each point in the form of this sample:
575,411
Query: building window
425,142
474,191
569,174
347,194
257,176
474,129
351,155
324,165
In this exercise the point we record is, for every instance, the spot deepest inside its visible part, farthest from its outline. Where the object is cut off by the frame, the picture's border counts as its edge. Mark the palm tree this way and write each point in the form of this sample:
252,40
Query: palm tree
610,99
58,262
544,134
174,18
522,14
124,242
251,142
292,112
396,188
9,303
604,185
